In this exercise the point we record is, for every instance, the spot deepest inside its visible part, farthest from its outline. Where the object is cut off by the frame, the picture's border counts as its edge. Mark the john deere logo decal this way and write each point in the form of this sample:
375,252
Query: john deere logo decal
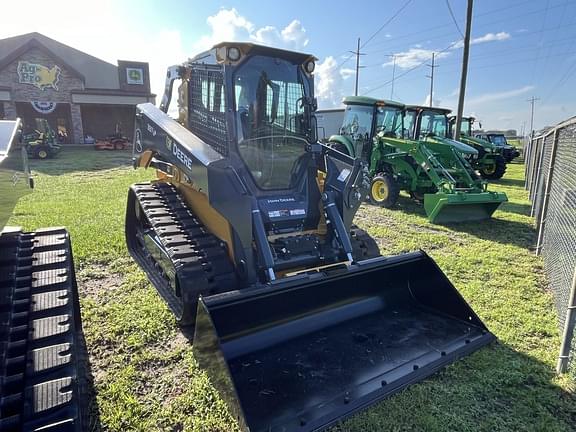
134,76
38,75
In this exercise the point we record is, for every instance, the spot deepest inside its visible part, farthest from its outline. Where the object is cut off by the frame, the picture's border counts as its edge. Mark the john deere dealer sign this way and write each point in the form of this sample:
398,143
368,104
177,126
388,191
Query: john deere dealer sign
38,75
134,76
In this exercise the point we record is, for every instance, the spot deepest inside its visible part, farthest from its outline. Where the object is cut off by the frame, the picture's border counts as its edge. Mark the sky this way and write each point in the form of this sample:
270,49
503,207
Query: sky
520,48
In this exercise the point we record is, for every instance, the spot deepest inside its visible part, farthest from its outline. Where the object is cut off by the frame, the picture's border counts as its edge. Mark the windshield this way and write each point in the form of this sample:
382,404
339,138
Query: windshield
499,140
432,123
357,121
465,127
271,123
389,121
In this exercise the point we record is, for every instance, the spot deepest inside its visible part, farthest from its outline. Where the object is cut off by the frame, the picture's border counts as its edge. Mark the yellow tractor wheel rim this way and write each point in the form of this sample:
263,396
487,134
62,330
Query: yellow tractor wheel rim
379,191
490,169
43,154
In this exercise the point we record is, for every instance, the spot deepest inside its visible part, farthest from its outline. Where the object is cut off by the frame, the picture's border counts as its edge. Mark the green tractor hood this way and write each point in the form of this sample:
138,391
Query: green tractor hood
457,145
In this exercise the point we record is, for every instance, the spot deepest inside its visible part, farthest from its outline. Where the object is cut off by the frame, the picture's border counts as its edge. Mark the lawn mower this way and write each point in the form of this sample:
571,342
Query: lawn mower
380,132
41,343
116,141
42,143
247,234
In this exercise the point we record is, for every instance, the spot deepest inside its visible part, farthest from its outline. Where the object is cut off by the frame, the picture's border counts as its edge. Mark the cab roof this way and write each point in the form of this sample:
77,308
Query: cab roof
215,53
365,100
427,108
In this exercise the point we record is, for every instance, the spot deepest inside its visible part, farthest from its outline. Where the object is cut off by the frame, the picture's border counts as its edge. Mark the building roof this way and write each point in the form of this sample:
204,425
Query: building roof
96,73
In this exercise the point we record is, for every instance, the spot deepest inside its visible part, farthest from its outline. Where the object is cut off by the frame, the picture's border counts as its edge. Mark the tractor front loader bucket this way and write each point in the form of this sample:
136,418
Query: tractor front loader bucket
300,355
461,207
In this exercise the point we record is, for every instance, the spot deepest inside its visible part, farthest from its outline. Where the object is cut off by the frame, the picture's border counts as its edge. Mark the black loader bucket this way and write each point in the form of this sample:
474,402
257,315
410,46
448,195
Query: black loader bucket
302,354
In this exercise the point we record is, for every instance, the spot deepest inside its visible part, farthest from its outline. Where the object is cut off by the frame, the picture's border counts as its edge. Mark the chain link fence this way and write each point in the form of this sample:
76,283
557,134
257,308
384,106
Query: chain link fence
551,181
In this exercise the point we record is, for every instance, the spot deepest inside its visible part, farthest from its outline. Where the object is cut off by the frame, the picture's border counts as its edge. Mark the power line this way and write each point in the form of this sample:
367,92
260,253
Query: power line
387,22
402,38
378,31
454,18
412,68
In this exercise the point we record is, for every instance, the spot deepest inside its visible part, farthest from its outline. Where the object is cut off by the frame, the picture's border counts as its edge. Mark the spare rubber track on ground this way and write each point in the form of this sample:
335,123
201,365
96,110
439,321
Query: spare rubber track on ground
40,333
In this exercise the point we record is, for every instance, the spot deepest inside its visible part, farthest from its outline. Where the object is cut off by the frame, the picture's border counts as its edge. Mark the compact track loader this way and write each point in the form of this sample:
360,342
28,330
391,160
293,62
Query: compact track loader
435,172
41,342
247,234
490,163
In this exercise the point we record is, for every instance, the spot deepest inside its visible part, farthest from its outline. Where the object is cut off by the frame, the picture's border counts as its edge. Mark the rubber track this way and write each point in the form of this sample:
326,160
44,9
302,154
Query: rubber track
200,258
40,333
363,245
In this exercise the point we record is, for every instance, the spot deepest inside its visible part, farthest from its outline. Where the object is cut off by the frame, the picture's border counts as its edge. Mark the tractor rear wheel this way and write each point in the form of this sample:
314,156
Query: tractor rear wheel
384,190
494,171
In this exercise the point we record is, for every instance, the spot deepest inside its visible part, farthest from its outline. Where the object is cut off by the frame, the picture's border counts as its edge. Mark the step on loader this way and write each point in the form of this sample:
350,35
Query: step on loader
42,350
491,162
247,234
380,132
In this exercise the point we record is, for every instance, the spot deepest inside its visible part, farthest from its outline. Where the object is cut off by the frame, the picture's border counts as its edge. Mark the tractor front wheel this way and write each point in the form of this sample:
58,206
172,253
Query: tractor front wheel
495,170
384,190
41,153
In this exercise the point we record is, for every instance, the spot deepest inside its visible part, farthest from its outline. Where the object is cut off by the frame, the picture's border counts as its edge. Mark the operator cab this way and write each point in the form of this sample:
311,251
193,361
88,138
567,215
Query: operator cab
366,117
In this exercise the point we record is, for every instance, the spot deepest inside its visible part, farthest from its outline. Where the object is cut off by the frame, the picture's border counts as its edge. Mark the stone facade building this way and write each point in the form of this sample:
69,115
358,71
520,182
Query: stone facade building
76,93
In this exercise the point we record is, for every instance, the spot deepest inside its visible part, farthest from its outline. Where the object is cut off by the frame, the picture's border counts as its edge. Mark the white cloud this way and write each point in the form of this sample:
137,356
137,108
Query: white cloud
414,56
328,82
347,73
491,97
436,101
225,25
488,37
295,34
229,25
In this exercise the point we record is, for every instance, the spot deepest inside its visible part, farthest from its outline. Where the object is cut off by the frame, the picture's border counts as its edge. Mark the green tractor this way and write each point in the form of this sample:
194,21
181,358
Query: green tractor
491,162
436,173
42,142
509,152
435,128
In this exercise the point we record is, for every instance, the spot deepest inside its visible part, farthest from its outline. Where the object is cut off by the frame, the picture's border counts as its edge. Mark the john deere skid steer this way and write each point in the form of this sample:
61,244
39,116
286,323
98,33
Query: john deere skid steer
490,163
247,234
435,172
41,343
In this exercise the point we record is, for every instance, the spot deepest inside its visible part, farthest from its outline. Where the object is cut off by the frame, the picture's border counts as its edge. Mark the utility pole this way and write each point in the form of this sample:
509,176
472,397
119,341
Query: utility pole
532,100
431,76
358,54
464,70
393,76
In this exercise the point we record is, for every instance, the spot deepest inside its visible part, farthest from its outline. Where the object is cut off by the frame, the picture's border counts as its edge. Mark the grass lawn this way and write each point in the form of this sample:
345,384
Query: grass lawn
146,378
